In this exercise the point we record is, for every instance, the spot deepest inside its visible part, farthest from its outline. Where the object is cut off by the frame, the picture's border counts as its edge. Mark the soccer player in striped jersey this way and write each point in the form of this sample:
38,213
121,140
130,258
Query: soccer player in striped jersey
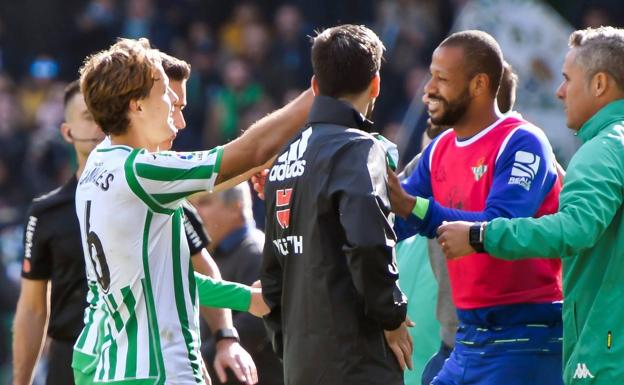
128,203
229,354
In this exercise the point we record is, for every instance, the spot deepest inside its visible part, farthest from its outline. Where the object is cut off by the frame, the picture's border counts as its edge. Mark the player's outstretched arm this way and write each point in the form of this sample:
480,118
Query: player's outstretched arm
250,174
230,295
264,138
257,306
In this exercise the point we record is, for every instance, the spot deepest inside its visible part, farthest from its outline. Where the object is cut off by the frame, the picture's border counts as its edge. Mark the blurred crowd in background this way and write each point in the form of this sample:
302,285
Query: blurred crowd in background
247,57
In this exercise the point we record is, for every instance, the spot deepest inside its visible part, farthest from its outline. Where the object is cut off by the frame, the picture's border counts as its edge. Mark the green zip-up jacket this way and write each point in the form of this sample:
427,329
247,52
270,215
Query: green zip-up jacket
588,234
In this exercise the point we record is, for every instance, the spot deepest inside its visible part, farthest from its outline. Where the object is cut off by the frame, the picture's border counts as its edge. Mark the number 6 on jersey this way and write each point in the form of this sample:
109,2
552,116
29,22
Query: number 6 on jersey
100,267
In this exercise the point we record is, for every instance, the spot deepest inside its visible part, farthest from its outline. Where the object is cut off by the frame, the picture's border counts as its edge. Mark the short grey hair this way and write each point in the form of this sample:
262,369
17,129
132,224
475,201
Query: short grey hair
600,50
239,194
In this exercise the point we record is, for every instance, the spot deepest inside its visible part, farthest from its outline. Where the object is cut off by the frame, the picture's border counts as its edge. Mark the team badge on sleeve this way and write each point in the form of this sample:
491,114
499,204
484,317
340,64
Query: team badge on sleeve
524,169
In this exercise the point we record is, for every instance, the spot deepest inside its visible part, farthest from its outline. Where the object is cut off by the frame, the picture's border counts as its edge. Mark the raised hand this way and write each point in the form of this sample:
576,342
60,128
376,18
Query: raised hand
258,181
402,203
257,306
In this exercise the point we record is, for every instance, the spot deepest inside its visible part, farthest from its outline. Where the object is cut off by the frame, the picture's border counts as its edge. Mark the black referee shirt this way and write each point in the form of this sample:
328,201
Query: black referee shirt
53,251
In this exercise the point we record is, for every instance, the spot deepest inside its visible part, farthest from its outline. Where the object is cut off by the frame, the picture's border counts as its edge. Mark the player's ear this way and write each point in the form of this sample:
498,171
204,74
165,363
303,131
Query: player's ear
375,86
599,83
315,86
479,84
66,133
135,106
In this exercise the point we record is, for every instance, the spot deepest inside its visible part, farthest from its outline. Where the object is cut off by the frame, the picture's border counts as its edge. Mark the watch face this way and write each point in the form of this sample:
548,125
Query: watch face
475,237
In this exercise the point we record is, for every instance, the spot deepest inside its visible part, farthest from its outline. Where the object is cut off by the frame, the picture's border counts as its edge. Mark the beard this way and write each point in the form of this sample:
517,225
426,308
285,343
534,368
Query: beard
434,130
452,111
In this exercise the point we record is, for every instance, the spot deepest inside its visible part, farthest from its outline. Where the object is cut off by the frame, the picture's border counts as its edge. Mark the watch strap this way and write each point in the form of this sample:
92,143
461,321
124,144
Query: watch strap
226,333
475,236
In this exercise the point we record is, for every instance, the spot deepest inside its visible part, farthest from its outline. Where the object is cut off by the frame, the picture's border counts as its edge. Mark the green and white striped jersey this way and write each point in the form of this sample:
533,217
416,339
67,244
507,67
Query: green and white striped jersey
88,346
128,206
89,343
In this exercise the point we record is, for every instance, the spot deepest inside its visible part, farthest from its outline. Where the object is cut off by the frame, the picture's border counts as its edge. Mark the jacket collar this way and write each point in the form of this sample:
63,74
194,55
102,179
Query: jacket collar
326,109
608,114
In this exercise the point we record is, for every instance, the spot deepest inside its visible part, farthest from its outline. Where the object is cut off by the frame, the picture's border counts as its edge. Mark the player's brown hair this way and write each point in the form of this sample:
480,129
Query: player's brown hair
176,69
110,79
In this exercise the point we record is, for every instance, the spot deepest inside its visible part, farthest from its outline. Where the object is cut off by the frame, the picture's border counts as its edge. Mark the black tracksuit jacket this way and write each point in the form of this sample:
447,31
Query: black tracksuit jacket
329,273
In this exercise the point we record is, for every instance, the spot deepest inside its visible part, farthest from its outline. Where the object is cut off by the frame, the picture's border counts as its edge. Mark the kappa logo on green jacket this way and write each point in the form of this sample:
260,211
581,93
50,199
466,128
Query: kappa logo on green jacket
582,372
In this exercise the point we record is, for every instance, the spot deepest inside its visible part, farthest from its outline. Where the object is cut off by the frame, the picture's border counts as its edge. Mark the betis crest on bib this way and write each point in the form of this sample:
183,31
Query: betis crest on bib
479,169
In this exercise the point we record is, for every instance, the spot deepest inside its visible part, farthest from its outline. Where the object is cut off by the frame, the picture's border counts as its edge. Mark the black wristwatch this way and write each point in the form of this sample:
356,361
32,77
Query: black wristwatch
226,333
475,236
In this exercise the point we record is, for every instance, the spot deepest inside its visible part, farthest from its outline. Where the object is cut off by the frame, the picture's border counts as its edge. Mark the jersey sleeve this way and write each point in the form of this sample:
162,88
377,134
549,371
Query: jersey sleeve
358,184
37,263
416,183
525,172
163,179
194,229
222,294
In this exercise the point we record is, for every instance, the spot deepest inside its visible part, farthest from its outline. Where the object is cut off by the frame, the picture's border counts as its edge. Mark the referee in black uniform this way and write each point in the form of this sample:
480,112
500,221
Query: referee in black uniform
53,254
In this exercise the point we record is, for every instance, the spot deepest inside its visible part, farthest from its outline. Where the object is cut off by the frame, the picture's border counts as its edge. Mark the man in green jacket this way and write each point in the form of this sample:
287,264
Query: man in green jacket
588,231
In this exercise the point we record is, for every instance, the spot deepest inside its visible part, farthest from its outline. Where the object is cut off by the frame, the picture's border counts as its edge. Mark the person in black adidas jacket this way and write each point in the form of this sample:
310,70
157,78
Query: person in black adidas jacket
329,274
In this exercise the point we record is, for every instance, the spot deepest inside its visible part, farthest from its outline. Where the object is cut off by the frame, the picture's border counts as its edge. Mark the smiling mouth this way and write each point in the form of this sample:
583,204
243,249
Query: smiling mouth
433,105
